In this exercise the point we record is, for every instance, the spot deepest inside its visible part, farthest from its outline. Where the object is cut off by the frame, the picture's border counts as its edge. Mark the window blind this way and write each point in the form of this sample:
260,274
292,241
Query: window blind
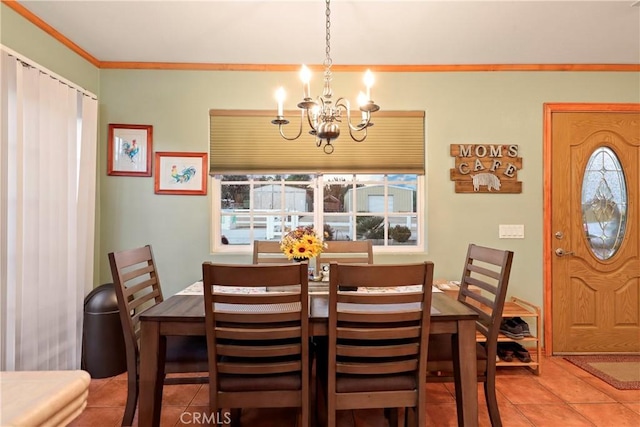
245,141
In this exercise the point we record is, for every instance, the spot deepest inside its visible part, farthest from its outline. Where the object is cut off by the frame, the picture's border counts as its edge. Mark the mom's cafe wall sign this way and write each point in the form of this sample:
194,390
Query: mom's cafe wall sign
486,168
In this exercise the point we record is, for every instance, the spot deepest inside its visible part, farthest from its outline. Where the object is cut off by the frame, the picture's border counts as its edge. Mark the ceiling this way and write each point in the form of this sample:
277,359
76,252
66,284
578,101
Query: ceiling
363,32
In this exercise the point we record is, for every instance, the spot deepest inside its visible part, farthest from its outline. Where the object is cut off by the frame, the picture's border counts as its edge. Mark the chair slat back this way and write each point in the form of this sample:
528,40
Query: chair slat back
359,251
381,332
483,289
487,269
256,334
137,287
268,252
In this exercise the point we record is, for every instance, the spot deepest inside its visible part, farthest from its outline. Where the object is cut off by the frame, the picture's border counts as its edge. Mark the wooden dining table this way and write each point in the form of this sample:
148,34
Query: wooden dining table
183,314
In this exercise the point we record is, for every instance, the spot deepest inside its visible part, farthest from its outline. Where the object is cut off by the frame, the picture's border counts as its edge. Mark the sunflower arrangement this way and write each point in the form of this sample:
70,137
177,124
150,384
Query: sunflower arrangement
301,242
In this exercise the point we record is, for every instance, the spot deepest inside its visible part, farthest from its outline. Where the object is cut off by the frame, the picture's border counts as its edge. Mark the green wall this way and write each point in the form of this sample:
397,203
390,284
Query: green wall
463,107
20,35
469,108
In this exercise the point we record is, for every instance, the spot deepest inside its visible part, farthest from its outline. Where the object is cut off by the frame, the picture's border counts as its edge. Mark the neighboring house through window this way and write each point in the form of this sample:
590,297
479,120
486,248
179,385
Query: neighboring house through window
383,208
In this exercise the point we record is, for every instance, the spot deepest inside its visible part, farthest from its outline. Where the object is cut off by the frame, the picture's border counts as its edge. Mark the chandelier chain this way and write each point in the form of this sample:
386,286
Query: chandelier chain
324,115
327,61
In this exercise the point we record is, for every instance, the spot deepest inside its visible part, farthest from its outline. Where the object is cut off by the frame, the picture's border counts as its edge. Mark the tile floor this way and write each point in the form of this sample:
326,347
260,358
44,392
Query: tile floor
564,395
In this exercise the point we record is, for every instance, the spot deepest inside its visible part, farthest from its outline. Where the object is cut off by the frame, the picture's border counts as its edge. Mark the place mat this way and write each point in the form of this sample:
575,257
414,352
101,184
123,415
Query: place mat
196,289
395,289
620,371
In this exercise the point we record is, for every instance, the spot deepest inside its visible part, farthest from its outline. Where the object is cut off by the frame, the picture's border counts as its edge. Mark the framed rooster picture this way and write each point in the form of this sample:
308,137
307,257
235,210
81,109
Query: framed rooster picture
129,150
181,173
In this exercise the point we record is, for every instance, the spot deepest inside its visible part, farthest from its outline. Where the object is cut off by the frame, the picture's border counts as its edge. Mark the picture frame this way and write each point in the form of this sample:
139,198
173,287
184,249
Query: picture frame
182,173
129,150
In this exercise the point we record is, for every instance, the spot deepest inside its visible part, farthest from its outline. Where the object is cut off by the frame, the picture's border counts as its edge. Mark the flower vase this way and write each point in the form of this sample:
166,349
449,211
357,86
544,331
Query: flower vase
309,268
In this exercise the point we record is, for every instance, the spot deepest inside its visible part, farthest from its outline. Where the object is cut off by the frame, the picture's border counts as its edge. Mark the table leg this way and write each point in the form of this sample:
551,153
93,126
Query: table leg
149,402
467,380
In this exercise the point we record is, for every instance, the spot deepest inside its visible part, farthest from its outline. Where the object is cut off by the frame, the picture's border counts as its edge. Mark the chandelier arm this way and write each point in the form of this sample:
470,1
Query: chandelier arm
363,125
311,125
343,103
280,125
364,134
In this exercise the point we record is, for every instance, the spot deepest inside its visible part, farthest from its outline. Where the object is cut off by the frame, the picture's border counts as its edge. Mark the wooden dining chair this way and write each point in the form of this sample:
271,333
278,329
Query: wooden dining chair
487,270
268,252
346,251
377,349
137,288
258,342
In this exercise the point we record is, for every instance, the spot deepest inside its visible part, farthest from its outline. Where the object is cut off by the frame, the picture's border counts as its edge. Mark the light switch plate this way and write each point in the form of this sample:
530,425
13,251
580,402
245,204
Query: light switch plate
511,231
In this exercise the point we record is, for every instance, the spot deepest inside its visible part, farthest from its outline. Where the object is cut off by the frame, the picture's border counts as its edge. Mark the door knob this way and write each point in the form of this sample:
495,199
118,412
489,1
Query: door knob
561,252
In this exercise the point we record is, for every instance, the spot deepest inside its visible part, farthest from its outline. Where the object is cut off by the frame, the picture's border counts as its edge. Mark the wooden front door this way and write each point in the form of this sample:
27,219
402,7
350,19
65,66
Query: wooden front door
592,227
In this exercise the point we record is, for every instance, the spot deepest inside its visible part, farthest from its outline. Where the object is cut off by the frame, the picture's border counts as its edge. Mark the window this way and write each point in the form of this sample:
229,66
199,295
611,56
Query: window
370,190
384,208
604,203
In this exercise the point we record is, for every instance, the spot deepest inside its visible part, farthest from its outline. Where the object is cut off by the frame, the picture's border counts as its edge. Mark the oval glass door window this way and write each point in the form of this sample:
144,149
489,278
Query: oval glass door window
604,203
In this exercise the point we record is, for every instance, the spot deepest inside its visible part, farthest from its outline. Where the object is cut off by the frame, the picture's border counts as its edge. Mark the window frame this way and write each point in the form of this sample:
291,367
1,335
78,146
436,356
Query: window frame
318,181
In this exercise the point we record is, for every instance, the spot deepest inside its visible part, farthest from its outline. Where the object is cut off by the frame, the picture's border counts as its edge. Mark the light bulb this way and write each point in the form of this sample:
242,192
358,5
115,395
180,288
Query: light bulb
280,96
368,82
362,100
305,76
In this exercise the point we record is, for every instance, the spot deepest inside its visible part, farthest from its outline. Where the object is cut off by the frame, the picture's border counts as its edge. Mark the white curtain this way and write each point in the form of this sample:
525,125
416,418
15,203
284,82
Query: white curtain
47,214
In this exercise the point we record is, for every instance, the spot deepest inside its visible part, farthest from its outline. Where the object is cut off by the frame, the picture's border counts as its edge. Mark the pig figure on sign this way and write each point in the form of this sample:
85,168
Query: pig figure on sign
488,179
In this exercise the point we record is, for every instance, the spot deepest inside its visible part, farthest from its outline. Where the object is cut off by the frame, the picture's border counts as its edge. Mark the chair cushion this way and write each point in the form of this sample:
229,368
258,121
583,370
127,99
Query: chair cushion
358,383
441,354
260,383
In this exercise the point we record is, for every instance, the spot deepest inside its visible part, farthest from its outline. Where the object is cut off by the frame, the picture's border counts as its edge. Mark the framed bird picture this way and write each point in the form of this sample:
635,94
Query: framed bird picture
181,173
129,150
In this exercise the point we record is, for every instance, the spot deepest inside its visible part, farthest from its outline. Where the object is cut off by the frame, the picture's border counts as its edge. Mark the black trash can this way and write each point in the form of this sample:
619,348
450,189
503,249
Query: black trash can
103,350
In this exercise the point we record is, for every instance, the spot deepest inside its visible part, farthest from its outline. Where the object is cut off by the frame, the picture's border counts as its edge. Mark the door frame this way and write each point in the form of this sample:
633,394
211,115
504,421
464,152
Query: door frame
548,110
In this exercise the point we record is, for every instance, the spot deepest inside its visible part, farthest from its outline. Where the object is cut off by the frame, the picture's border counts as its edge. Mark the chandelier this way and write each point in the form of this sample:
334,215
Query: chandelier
323,115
